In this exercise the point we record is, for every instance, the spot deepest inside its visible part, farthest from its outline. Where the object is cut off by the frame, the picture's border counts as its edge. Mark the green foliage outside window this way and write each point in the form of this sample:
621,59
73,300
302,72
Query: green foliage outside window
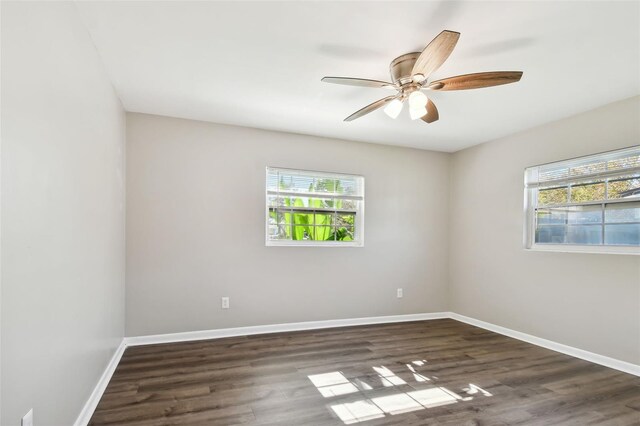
315,225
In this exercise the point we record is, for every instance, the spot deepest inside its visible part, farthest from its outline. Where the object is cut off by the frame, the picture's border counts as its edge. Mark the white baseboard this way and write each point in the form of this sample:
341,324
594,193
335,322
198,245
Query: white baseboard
606,361
94,398
624,366
276,328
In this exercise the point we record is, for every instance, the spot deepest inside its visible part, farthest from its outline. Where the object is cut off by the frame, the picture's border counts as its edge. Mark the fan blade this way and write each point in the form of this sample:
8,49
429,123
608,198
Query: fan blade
363,82
432,113
477,80
370,108
435,53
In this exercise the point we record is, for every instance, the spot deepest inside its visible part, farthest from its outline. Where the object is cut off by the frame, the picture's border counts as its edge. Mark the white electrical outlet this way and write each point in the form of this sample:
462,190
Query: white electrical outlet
27,420
399,293
225,303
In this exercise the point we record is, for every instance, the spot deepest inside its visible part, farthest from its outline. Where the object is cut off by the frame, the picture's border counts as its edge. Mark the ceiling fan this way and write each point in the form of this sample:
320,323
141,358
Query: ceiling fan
410,75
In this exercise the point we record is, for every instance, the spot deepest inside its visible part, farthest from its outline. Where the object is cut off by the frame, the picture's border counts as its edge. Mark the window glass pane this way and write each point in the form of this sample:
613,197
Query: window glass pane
322,219
286,201
622,212
302,219
296,201
320,203
345,219
313,203
584,234
324,226
274,201
323,230
578,215
551,234
301,233
624,188
587,192
549,196
622,234
552,216
572,215
571,234
278,217
324,233
279,232
273,232
305,202
312,232
347,204
581,225
345,233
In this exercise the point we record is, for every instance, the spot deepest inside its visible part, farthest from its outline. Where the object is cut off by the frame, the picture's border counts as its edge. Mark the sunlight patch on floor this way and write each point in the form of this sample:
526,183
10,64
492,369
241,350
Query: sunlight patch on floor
332,384
388,377
397,403
356,412
335,384
434,397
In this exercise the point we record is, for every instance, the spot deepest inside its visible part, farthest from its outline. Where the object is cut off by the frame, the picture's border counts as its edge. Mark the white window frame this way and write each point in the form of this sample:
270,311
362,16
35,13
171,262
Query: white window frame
358,240
530,206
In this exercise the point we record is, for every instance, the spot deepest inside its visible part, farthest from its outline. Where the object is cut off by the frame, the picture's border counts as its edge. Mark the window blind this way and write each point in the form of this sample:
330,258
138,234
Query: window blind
314,184
593,168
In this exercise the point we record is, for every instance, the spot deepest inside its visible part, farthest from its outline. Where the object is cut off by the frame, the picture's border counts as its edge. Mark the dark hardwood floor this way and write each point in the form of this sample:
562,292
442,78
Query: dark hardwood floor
419,373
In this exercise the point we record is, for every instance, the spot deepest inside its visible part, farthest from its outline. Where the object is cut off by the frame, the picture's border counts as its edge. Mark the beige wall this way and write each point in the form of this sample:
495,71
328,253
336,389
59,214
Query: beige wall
62,214
186,177
195,230
589,301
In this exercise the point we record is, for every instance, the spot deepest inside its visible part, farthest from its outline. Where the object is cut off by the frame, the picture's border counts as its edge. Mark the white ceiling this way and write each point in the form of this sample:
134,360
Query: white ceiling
259,64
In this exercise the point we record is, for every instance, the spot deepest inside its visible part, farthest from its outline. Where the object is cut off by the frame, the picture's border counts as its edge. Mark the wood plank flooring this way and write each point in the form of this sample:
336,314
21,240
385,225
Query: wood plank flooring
439,372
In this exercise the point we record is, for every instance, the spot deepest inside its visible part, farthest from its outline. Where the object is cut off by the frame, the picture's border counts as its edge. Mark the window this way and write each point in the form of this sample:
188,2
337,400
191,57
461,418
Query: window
306,208
585,204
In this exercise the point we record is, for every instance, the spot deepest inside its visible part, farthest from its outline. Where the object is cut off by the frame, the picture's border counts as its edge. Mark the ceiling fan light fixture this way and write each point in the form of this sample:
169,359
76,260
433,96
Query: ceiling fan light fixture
416,113
418,100
394,108
417,104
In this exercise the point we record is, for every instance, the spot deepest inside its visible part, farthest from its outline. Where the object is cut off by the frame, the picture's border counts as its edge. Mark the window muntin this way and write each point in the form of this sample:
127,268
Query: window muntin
591,201
314,208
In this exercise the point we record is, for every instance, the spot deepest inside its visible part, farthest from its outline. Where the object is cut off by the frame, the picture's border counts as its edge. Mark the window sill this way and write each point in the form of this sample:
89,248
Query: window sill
270,243
567,248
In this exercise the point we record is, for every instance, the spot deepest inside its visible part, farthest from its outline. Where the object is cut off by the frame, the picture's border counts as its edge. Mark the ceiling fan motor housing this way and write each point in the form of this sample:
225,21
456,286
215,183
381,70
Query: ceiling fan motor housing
402,66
